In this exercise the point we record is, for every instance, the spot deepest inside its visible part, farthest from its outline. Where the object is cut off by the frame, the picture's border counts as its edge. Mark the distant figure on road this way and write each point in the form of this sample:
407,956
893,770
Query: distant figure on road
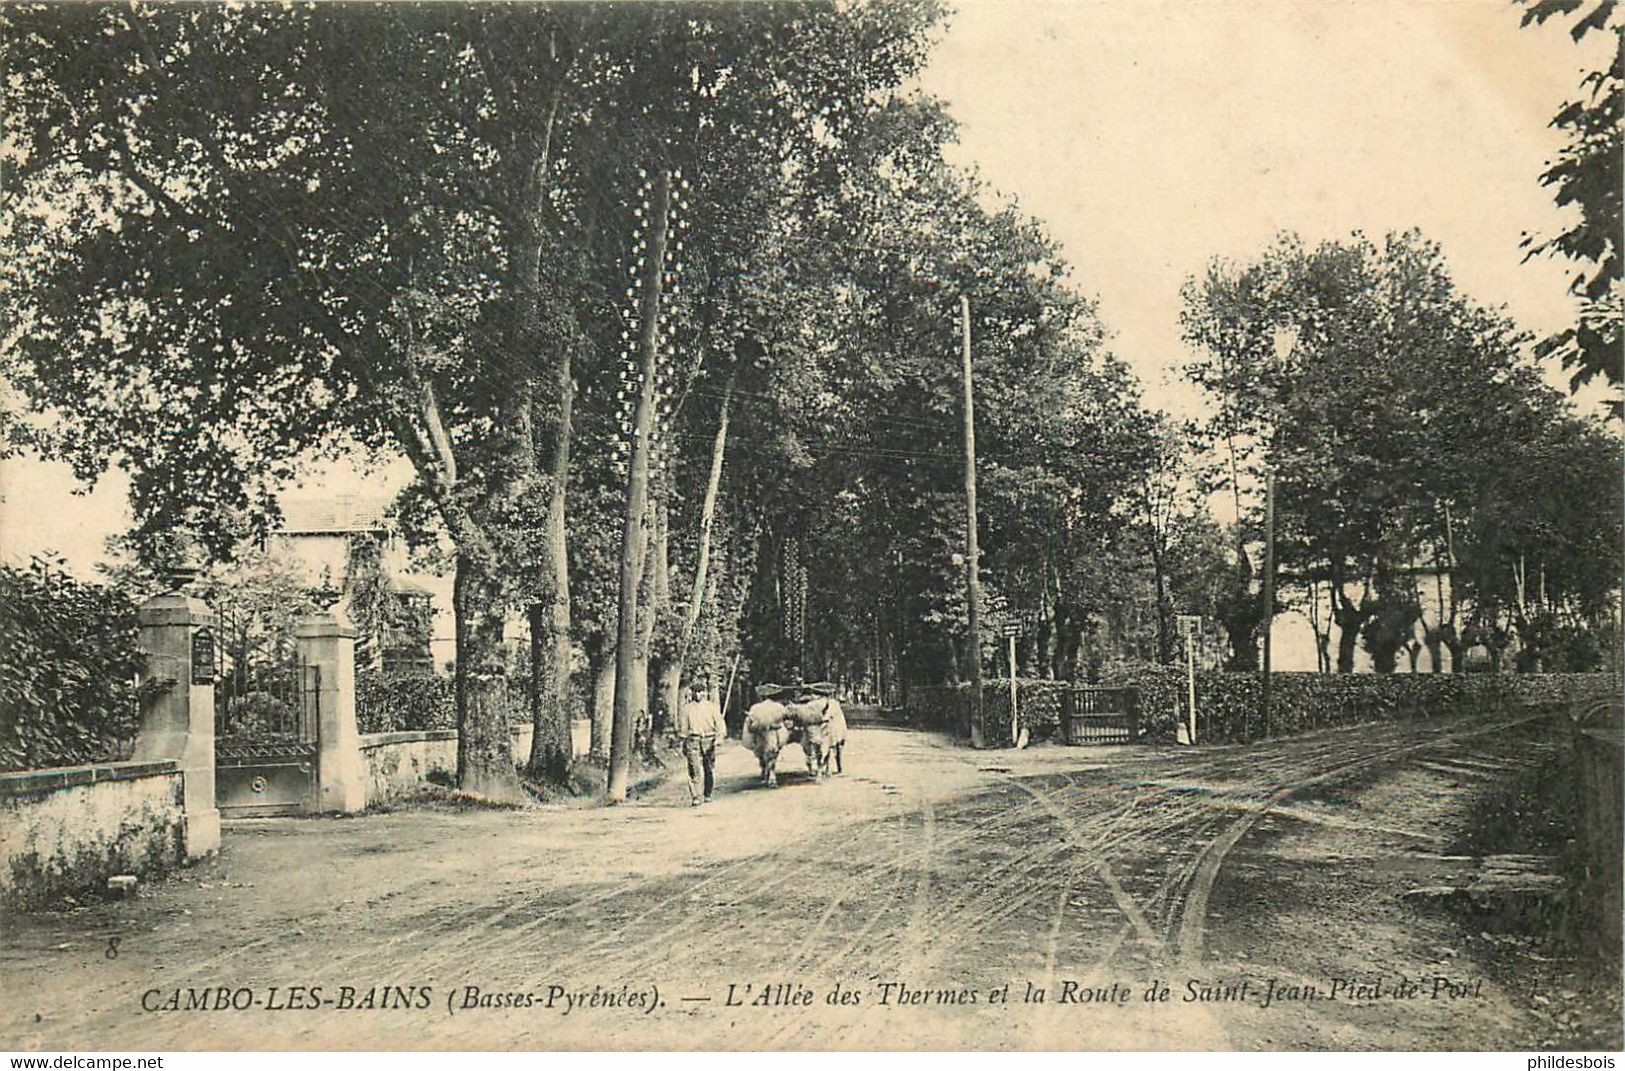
700,726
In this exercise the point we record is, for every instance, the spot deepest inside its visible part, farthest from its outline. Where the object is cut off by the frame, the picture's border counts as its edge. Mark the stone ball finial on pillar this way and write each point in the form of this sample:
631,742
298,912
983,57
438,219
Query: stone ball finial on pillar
324,596
179,573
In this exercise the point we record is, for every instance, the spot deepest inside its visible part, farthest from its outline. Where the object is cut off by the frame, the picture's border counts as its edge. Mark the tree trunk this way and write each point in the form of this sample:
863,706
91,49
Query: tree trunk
879,683
1165,639
708,511
634,529
1348,631
1457,649
1385,658
637,695
550,621
1068,641
1057,645
1391,614
669,692
1434,638
485,763
1321,630
1383,641
1240,612
1043,649
632,675
1049,628
666,671
601,663
549,757
1069,656
1350,618
656,596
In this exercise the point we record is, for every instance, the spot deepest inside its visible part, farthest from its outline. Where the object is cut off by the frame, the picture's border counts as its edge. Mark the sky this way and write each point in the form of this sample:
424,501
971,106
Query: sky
1151,136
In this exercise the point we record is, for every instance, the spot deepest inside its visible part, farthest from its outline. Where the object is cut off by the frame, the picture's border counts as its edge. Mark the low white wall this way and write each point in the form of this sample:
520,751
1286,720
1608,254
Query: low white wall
70,828
580,739
397,763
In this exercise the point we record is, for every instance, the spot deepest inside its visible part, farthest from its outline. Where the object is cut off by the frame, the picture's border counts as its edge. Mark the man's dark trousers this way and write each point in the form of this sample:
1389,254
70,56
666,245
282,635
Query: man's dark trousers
701,753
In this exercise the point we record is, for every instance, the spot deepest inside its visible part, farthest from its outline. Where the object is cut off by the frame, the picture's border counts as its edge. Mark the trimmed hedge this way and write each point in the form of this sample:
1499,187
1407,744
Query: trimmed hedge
392,703
1227,704
406,702
945,707
1300,702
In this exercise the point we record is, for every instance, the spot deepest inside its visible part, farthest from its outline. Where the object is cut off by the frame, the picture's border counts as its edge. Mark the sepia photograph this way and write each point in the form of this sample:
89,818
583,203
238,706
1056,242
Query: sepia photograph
811,526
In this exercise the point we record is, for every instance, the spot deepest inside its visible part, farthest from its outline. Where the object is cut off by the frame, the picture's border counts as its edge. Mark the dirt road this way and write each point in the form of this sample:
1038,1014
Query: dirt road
919,901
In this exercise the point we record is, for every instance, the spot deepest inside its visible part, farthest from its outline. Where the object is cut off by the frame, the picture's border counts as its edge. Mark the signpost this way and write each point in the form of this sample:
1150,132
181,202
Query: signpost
1012,625
1189,624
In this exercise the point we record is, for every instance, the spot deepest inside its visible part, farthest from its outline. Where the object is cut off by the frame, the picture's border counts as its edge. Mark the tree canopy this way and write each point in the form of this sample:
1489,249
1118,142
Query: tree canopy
1587,175
480,236
1396,414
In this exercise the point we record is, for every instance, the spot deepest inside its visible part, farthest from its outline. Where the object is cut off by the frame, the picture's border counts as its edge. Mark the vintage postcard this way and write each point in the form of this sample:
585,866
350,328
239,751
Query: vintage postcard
1027,525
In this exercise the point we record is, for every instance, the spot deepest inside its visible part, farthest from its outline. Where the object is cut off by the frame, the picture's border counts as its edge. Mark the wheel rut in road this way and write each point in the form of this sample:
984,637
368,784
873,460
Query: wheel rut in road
1191,931
1062,864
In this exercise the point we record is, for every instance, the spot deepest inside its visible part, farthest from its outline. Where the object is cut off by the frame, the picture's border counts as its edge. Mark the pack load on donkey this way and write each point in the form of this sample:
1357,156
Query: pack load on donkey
807,714
765,733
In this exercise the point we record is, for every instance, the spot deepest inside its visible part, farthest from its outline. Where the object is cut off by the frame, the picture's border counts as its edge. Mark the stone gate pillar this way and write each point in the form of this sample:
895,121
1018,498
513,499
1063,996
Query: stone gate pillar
328,644
177,722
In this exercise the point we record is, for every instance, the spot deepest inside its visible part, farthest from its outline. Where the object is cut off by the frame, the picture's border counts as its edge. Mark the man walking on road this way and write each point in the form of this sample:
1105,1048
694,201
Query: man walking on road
700,726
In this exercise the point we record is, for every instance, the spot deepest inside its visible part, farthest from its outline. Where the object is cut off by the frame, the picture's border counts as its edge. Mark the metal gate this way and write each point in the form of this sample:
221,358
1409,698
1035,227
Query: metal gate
1100,715
265,734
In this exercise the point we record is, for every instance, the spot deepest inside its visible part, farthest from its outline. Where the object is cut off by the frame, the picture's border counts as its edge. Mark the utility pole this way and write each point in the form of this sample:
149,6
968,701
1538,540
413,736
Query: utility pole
973,584
634,538
1015,715
1269,588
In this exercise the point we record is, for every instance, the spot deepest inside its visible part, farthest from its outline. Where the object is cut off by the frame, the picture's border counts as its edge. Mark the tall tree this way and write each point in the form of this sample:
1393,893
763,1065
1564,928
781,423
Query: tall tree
292,253
1397,403
1587,174
286,254
1162,501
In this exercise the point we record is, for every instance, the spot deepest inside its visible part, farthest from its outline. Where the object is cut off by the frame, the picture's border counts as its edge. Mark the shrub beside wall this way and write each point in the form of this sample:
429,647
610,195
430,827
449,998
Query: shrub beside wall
1037,701
392,703
1300,702
412,702
70,829
69,656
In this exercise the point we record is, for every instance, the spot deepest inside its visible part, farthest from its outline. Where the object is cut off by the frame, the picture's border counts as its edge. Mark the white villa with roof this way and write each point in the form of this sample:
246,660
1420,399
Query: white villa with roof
316,534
